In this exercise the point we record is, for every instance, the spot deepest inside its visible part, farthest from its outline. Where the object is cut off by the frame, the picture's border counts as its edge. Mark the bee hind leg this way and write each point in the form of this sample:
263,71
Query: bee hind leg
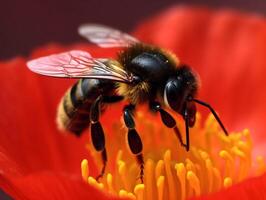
97,133
133,138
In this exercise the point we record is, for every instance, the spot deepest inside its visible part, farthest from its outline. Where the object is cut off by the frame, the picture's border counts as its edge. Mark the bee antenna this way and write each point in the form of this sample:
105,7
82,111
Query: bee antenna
212,111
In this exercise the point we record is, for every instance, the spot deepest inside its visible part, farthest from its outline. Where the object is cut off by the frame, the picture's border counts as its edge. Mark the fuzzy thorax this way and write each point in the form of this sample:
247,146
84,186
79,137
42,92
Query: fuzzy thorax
141,91
135,94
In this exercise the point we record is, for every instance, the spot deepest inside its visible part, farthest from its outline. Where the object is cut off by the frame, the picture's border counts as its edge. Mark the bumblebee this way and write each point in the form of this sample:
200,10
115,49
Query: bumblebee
142,74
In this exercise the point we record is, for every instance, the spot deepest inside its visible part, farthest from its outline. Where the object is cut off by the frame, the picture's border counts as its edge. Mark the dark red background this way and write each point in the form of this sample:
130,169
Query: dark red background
26,24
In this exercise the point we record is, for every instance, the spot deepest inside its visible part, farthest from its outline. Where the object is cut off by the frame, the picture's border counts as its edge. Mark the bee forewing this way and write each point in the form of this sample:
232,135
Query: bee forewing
77,64
68,64
105,36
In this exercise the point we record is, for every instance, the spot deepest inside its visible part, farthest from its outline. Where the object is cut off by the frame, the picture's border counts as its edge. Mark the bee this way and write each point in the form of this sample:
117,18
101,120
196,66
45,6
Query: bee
141,74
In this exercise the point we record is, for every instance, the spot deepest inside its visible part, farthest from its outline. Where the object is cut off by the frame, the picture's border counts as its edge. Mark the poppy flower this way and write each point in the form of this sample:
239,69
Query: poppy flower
224,47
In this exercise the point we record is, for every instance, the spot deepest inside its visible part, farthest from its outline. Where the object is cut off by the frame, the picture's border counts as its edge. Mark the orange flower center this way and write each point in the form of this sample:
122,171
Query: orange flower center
214,161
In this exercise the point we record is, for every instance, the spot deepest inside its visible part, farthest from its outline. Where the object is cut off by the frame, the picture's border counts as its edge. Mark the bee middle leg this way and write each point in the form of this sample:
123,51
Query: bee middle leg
133,138
169,121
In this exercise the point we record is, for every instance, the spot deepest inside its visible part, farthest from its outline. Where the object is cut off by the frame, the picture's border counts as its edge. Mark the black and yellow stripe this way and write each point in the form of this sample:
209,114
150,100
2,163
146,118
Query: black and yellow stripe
74,109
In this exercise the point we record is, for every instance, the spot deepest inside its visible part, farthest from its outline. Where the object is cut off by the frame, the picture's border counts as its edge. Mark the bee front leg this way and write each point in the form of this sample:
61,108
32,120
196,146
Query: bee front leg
187,128
97,133
133,138
169,121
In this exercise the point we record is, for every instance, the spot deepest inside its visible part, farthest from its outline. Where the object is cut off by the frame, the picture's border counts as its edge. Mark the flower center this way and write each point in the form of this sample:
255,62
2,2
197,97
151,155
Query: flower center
213,162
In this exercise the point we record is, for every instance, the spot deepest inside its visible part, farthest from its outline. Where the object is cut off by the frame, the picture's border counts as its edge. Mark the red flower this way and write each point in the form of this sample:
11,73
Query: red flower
225,48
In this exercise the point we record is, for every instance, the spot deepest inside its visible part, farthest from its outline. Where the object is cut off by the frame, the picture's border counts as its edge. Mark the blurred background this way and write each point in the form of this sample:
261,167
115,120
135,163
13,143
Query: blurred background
27,24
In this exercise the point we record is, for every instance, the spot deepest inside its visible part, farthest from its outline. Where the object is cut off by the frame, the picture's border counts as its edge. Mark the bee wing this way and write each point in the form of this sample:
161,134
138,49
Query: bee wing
78,64
105,36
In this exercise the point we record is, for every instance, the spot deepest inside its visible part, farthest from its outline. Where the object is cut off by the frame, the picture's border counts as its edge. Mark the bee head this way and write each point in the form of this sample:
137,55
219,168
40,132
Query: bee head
179,89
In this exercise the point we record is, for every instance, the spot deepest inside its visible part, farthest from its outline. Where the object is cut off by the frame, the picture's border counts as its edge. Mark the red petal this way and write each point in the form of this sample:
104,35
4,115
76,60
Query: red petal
51,187
227,49
28,131
254,188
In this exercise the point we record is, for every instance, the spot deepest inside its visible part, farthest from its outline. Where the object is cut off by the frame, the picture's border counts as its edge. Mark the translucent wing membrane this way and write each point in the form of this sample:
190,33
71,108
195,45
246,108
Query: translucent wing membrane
105,36
78,64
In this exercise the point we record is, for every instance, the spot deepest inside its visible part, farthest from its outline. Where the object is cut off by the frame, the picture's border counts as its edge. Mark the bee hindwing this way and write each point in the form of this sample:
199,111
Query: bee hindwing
105,36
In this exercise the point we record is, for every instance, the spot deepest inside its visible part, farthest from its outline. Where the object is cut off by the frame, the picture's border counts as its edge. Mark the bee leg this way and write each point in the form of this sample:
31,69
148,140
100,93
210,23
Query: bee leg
168,121
133,138
187,129
97,133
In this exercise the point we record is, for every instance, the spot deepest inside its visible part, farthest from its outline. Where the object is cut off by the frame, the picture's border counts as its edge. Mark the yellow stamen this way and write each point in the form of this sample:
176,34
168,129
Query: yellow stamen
149,179
227,182
85,169
94,183
194,182
160,187
229,163
214,161
159,169
125,194
218,179
209,170
139,191
181,174
109,181
169,175
123,174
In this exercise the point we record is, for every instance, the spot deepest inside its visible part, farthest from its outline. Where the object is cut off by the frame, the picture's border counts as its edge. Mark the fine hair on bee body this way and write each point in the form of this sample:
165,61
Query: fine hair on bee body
142,73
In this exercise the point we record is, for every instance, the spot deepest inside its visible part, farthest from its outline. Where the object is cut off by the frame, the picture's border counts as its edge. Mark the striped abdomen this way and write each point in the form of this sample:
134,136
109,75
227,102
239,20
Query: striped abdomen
74,109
